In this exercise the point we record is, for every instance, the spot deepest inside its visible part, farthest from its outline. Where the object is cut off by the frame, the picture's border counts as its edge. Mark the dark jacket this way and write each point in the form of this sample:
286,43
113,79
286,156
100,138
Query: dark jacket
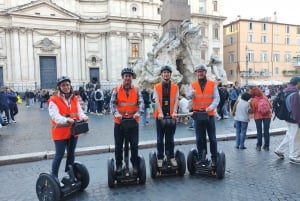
294,103
3,101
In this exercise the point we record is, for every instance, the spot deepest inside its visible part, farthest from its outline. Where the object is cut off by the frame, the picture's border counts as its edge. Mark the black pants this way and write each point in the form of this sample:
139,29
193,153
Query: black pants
13,110
132,136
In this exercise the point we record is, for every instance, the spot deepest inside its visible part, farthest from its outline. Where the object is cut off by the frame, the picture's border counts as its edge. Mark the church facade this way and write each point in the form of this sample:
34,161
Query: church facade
87,40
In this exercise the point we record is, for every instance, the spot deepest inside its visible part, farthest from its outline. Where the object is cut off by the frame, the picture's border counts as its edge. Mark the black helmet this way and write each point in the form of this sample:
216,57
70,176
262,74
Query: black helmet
62,79
127,70
166,67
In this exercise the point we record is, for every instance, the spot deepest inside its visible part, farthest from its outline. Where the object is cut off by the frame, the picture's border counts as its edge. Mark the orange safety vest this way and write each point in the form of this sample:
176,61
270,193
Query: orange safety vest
173,93
63,131
203,99
127,105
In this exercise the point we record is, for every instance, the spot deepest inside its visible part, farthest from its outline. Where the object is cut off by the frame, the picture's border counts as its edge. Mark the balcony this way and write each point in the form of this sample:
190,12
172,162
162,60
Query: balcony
289,72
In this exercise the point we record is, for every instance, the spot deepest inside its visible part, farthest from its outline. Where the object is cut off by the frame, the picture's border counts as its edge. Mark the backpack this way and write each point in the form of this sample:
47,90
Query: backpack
279,106
263,106
98,95
223,94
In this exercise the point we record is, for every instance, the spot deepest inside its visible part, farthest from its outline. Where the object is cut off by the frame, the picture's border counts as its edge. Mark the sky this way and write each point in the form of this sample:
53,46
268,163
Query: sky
288,11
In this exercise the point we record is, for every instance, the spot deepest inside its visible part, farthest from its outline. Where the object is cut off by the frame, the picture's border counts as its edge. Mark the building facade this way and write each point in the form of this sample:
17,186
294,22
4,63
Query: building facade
261,50
87,40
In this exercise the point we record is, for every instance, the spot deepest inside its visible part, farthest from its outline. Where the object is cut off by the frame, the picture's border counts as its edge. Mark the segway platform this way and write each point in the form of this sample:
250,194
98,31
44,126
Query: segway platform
203,167
167,168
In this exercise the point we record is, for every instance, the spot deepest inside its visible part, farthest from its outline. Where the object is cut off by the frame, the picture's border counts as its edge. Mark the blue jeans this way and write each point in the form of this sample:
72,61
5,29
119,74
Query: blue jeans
266,124
167,133
241,130
60,147
201,127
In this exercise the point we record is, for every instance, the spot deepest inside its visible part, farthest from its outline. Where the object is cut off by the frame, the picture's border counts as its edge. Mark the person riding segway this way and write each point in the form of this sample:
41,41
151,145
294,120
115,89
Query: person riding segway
68,121
166,96
126,105
205,98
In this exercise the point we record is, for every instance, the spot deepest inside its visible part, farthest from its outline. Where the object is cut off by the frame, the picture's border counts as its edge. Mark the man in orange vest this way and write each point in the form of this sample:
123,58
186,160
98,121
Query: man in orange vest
166,95
205,97
64,109
126,102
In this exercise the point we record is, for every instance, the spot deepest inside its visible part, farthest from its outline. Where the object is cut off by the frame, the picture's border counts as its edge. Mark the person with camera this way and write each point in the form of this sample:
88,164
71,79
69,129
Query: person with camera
64,110
126,102
205,99
166,96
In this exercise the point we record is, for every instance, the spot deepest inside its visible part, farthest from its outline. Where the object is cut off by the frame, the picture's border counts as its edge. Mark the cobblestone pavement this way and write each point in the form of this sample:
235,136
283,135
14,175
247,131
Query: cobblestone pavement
31,133
250,175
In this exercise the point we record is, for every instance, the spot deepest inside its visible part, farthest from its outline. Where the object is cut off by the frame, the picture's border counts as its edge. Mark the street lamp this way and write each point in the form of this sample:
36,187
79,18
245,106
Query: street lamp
247,59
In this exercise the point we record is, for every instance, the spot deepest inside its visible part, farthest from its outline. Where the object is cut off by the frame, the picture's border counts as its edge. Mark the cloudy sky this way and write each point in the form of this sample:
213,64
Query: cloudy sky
288,11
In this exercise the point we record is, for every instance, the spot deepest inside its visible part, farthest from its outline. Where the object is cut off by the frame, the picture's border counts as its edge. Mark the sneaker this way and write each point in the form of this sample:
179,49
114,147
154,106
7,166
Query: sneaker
219,118
119,169
266,148
226,117
173,162
295,161
279,154
159,163
243,147
14,121
258,148
191,128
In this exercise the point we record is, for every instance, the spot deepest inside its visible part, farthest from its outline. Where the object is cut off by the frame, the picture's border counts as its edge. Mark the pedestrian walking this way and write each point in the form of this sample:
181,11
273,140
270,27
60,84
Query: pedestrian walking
64,109
205,99
261,108
241,112
292,136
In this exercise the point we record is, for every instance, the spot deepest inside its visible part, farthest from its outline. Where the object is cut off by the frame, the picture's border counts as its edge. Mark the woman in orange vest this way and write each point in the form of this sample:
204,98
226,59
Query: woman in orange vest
126,101
166,95
205,96
64,109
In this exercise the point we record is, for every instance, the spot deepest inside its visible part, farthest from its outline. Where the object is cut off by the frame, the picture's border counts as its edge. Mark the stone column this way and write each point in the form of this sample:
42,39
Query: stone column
103,74
31,67
83,67
8,73
69,53
16,62
75,57
63,67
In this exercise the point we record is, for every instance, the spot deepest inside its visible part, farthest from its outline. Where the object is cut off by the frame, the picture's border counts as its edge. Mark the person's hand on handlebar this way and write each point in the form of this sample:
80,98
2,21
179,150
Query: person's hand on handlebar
160,116
118,116
136,115
70,121
174,115
85,119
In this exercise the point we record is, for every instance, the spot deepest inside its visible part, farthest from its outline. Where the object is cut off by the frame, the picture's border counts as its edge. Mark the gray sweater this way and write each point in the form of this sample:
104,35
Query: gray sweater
241,113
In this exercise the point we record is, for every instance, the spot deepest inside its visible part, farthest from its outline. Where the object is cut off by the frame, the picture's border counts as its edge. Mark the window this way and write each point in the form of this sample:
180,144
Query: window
276,57
276,39
202,31
202,7
231,73
231,28
133,9
203,55
250,26
264,39
298,40
231,58
287,58
264,57
134,50
250,38
276,70
287,40
158,11
230,40
250,56
264,26
287,29
215,6
298,30
216,33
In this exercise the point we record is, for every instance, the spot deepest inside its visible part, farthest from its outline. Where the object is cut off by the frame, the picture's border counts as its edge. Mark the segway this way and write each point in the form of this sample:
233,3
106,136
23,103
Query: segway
126,176
48,187
167,168
200,164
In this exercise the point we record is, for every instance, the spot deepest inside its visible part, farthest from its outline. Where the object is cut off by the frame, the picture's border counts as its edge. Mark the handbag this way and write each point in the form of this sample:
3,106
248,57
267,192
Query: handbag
200,115
79,127
128,123
167,121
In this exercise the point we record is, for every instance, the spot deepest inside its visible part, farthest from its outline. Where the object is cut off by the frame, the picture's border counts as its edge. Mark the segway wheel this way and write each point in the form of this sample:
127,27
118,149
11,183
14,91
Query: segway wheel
142,170
81,174
221,165
153,164
47,188
180,158
111,173
191,161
